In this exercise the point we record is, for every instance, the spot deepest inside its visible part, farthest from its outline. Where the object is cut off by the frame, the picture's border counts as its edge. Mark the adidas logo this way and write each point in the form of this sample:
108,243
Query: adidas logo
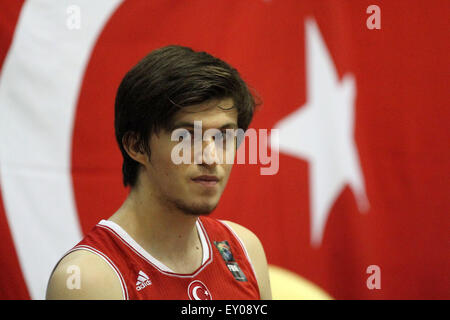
142,281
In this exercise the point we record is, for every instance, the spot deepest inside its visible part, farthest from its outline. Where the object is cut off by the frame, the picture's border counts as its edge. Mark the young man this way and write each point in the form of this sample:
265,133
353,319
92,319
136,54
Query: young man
160,244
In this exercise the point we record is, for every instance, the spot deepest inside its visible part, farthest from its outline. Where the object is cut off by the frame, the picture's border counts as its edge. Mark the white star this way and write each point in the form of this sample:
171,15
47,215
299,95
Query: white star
321,132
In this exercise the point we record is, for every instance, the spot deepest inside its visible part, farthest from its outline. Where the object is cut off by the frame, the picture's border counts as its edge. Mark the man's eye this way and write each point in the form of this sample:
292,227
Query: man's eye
218,136
184,135
197,138
229,134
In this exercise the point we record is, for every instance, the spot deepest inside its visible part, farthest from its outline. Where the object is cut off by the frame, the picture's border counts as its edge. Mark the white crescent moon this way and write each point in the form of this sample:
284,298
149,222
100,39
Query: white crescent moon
194,293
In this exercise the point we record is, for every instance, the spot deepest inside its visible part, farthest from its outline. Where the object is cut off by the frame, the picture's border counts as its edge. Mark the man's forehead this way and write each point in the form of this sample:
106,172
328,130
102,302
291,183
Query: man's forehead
214,113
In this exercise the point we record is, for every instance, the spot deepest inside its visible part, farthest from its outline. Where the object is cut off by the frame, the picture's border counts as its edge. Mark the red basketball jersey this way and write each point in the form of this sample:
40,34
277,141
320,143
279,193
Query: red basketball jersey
226,271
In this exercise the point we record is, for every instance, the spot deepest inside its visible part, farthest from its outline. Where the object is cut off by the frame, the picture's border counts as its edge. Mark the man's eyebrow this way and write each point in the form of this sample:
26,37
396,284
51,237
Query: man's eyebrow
230,125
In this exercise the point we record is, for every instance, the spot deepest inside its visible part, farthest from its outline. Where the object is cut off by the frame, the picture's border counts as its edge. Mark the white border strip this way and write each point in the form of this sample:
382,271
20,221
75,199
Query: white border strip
39,88
202,232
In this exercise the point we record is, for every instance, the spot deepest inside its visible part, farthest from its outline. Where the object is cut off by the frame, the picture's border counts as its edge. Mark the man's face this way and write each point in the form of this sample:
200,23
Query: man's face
193,188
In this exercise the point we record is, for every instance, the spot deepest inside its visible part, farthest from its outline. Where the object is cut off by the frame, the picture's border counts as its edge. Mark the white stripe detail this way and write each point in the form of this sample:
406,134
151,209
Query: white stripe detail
128,240
39,88
201,232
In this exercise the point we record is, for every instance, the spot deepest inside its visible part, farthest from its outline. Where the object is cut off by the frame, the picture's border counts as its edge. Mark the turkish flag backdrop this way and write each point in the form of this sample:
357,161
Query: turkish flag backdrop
399,112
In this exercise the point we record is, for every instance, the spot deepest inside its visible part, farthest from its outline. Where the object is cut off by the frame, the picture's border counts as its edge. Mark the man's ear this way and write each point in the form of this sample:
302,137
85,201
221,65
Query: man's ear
130,143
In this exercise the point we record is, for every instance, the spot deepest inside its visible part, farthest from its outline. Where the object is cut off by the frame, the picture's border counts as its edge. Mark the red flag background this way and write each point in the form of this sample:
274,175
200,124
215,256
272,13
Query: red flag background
326,80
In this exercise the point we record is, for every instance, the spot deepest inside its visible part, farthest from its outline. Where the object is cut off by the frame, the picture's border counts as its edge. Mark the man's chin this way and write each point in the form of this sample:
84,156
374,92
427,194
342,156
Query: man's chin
196,209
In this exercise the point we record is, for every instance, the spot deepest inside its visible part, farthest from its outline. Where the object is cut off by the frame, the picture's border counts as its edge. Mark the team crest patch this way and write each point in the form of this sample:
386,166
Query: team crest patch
225,251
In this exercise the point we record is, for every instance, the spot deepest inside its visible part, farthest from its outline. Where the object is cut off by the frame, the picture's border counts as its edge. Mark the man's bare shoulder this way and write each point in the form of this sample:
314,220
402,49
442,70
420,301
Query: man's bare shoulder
257,257
83,275
244,234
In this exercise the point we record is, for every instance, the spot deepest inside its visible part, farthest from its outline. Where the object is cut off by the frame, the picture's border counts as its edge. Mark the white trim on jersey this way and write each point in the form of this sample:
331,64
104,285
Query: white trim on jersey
201,233
132,244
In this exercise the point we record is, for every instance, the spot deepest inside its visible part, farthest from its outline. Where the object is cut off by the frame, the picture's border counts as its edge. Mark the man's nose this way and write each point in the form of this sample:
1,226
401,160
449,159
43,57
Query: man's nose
208,155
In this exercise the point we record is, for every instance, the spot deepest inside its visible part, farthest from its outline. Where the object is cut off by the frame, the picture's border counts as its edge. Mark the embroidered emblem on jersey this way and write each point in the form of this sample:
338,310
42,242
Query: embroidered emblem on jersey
197,290
142,281
225,251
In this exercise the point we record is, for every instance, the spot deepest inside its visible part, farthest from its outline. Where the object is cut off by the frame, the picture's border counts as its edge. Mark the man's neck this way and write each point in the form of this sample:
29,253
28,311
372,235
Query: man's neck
165,232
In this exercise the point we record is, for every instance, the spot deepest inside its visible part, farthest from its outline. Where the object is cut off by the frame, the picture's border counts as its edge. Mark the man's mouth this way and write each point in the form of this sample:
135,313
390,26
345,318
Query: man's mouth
206,180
